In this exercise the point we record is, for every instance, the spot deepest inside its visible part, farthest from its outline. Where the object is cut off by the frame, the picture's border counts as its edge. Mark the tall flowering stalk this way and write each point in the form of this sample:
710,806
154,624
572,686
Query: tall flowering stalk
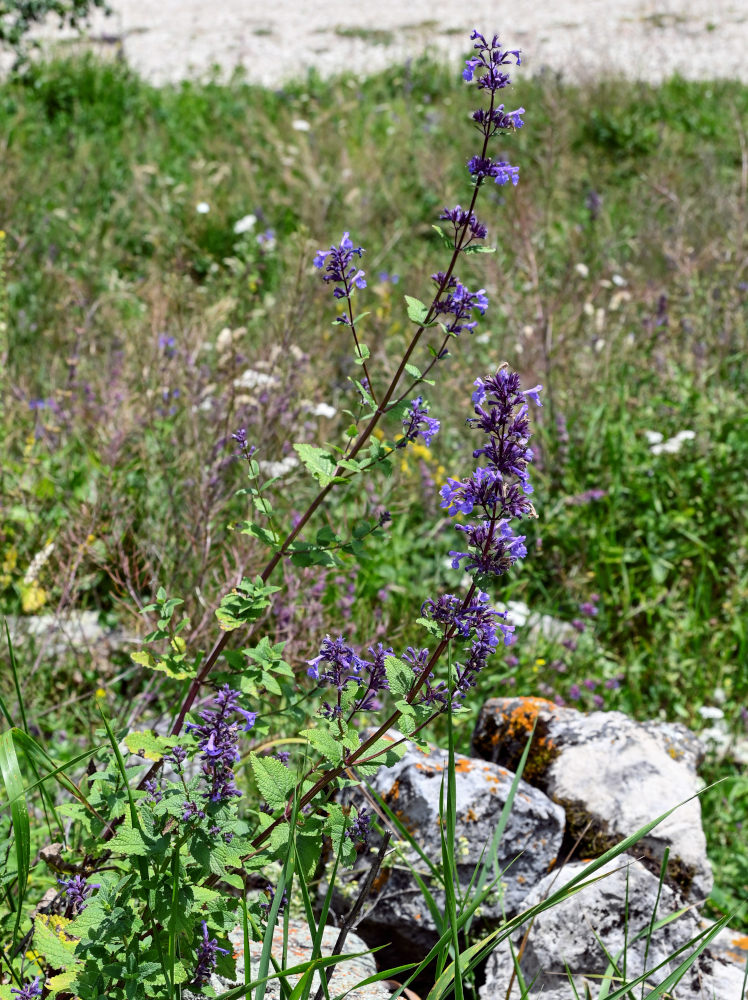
490,544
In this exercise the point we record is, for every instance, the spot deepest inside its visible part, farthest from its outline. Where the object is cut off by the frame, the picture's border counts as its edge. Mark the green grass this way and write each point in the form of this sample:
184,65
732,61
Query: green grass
619,282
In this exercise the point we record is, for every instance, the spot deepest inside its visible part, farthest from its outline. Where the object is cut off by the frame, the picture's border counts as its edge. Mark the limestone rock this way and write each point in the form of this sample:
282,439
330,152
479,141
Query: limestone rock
411,788
611,772
569,932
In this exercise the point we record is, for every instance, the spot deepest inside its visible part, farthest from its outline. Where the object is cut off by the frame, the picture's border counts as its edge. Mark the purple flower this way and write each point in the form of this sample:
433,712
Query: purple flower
579,625
430,694
207,957
497,491
154,792
588,609
490,57
28,991
340,269
360,828
461,219
499,170
458,301
598,700
218,737
76,891
270,893
417,421
575,692
340,665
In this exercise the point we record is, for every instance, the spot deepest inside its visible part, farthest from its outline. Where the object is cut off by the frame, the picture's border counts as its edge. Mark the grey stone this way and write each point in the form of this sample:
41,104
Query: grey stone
411,788
572,934
76,631
612,775
346,976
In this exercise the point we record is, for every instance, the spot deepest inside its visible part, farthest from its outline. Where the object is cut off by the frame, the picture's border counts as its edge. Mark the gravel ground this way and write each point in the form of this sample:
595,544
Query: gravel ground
168,40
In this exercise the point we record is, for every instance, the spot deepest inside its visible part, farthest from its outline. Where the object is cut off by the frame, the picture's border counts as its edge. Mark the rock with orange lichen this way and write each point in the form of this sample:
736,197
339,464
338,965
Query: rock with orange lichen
610,918
612,775
411,789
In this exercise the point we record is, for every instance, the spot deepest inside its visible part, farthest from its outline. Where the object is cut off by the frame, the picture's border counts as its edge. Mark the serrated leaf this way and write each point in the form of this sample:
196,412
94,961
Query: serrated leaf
413,371
145,743
400,675
129,841
172,666
417,311
362,354
258,531
432,627
318,462
274,780
62,983
325,743
50,939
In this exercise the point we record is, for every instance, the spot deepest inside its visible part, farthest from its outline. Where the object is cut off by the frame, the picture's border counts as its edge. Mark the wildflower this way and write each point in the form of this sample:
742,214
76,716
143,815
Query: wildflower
341,666
245,224
340,268
417,421
430,694
202,208
270,893
28,991
588,609
154,792
266,240
218,736
207,957
76,891
499,490
458,301
300,125
360,828
461,219
575,692
499,170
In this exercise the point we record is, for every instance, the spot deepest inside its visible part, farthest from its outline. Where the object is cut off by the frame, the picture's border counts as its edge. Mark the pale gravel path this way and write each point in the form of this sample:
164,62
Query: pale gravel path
167,40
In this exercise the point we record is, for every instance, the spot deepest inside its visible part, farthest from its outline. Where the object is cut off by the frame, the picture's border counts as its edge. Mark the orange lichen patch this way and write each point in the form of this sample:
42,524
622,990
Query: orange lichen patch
463,765
504,730
470,816
394,792
521,879
740,942
381,880
417,916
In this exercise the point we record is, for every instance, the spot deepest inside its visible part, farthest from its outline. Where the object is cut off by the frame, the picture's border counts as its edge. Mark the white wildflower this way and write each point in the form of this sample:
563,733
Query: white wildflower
582,270
252,379
245,224
300,125
274,470
37,563
202,208
323,410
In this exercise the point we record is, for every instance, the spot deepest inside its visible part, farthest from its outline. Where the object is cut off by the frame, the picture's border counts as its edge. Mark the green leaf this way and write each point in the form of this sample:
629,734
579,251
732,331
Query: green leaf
14,789
318,462
274,780
145,743
258,531
478,249
400,675
446,240
58,950
129,842
417,311
173,666
325,743
245,604
413,371
362,354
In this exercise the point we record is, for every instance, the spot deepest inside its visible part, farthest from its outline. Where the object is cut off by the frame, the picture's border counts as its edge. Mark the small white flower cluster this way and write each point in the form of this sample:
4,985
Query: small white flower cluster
32,573
252,379
658,446
275,470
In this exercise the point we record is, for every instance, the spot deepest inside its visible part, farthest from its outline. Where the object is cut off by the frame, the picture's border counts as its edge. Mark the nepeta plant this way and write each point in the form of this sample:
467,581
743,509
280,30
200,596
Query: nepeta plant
173,843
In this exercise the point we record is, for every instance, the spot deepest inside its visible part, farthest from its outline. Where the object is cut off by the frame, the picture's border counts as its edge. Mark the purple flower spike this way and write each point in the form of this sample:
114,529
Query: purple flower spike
340,269
497,491
29,991
207,957
218,737
76,891
417,421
